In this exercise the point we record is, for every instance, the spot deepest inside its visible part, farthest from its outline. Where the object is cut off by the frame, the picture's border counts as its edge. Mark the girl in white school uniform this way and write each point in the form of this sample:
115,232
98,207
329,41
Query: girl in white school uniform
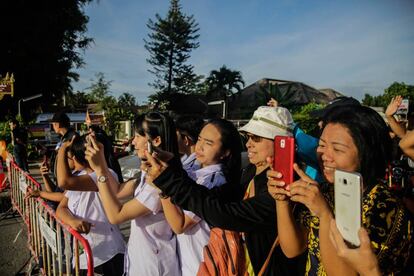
188,128
218,152
83,211
151,247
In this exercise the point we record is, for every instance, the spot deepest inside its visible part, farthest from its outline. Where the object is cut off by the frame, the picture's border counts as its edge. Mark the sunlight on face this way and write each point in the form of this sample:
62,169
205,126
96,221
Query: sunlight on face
208,147
140,144
259,150
337,150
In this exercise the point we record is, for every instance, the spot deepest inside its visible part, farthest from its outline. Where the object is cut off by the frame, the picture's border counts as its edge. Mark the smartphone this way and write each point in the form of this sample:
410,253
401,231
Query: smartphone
45,161
284,157
149,147
348,204
403,107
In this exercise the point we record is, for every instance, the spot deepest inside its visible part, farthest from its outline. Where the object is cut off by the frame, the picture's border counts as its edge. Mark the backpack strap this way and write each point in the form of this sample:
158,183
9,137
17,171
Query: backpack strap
263,269
276,243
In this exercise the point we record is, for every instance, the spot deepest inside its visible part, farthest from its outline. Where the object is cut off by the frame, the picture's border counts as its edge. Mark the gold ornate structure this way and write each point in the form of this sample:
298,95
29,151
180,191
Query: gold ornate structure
6,86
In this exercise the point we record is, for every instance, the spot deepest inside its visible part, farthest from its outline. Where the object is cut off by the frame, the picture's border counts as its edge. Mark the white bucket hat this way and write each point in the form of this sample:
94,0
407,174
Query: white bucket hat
270,121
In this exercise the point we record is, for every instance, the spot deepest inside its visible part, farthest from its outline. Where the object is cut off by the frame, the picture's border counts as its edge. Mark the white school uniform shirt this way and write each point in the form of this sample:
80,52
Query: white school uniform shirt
193,240
152,245
104,238
190,163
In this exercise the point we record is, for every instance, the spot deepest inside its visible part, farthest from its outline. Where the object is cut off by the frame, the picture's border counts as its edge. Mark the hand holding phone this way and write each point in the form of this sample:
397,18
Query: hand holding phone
348,204
284,157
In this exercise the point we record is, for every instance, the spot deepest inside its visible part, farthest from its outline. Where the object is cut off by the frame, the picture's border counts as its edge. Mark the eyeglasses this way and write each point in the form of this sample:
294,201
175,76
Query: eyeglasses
254,138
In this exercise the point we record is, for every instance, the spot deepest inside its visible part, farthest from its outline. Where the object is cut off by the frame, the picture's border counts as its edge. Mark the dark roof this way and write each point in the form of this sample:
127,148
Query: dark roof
243,104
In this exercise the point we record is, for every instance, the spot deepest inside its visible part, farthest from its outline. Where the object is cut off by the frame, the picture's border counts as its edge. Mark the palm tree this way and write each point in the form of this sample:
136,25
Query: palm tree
224,82
285,99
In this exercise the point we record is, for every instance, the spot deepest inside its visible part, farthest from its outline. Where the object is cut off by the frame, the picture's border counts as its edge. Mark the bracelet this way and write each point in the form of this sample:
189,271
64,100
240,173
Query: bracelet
163,196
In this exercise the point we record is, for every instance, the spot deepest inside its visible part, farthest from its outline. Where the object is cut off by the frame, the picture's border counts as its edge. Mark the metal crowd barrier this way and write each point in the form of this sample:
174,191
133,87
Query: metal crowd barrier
55,246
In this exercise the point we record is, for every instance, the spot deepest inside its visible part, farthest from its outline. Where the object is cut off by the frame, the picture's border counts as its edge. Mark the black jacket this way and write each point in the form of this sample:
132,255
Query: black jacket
222,207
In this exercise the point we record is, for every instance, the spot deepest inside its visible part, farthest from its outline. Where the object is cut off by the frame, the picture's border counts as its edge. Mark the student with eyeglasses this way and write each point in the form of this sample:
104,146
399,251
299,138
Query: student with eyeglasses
224,206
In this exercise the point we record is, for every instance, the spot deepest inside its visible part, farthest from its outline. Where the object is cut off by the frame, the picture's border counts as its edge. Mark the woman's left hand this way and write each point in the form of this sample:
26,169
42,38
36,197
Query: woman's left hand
306,191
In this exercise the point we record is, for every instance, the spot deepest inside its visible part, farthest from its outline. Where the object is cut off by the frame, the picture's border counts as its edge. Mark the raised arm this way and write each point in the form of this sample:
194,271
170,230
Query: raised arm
389,113
65,179
117,212
175,216
212,205
127,188
292,236
50,186
307,192
407,144
108,188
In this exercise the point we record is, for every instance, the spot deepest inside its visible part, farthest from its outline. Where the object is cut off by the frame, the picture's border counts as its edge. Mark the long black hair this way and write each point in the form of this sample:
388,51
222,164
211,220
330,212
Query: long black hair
370,135
159,124
189,125
78,149
231,141
138,124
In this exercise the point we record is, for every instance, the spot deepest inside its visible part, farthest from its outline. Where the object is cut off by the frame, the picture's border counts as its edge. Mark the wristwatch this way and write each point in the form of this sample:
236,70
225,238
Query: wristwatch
102,178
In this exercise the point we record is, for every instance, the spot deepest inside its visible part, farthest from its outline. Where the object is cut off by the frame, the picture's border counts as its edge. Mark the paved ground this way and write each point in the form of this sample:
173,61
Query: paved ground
13,234
13,239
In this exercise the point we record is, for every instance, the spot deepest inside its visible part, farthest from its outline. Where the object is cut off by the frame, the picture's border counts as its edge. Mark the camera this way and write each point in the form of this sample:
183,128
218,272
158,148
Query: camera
399,178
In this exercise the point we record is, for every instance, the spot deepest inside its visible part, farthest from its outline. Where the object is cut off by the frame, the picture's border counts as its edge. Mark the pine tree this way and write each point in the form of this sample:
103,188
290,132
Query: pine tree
170,43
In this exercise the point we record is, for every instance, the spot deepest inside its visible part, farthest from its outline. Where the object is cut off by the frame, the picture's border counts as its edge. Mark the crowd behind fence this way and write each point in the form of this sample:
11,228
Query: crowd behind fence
56,247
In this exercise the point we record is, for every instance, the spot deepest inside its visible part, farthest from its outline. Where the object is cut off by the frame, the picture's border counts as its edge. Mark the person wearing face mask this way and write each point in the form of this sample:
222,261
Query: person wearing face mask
224,206
355,139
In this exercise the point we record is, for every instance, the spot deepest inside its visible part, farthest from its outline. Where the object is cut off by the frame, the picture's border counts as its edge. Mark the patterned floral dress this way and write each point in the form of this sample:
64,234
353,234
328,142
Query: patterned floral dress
383,215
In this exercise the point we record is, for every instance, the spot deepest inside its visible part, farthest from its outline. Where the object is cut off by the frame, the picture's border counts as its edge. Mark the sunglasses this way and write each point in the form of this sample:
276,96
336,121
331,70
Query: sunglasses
254,138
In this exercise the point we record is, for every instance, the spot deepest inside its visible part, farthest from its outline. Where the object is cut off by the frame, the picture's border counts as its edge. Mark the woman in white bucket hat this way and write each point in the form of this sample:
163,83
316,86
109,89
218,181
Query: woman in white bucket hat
225,207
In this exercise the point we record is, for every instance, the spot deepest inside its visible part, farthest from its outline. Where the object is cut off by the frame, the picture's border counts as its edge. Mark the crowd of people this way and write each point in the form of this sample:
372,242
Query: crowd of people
192,180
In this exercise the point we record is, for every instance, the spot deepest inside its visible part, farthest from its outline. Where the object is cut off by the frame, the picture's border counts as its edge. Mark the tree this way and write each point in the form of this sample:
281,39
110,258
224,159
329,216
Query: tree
77,101
127,100
42,48
224,82
395,89
170,42
99,90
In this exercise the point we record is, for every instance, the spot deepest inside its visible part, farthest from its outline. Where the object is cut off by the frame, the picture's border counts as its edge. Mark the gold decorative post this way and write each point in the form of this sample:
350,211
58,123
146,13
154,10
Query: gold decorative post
6,85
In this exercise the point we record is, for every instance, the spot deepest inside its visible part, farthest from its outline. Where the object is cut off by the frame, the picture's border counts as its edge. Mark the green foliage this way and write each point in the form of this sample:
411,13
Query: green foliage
78,100
42,49
99,90
306,122
395,89
5,131
127,100
170,42
224,82
406,91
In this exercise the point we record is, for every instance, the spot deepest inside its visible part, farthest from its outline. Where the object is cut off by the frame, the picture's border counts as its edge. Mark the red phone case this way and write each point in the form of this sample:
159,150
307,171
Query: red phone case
284,157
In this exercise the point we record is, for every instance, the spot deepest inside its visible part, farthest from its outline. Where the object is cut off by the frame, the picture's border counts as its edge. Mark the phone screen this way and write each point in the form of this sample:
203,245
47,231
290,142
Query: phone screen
403,107
284,157
348,196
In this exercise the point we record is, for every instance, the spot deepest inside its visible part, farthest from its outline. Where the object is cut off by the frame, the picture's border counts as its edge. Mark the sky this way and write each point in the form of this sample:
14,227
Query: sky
353,46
